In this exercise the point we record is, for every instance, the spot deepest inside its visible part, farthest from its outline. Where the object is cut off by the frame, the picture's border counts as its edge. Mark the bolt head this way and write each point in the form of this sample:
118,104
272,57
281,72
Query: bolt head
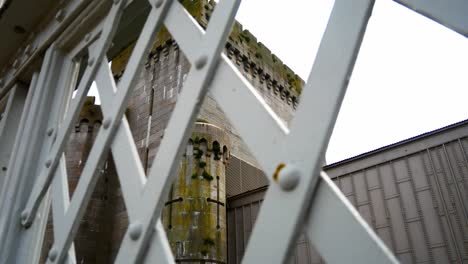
53,253
201,62
24,215
60,15
15,64
289,178
48,163
158,3
24,219
50,131
135,230
106,123
27,50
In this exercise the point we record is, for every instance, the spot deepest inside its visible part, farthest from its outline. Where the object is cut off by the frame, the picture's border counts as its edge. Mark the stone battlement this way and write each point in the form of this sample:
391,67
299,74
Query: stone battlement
90,116
253,58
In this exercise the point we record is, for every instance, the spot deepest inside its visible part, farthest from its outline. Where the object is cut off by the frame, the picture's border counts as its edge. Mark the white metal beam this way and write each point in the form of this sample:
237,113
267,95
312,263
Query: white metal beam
450,13
165,167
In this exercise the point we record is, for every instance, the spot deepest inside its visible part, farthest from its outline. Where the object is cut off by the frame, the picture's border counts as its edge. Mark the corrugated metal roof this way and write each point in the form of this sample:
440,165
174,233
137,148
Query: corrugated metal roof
399,143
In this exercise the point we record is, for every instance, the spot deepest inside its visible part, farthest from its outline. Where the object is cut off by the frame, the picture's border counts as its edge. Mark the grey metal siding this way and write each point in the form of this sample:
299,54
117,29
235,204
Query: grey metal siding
242,213
242,177
414,194
417,202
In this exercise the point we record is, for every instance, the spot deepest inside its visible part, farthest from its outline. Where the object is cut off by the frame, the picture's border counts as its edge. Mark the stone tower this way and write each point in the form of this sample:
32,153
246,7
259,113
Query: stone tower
93,242
195,214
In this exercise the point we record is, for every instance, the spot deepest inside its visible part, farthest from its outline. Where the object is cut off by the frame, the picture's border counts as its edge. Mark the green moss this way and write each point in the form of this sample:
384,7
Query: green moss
201,164
207,176
197,153
208,242
201,120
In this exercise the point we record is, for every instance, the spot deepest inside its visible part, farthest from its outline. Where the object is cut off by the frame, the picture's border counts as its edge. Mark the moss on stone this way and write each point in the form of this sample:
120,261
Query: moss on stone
201,164
208,241
207,176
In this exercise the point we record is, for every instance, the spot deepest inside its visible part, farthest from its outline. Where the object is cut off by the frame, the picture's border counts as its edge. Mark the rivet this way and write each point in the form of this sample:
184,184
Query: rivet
289,177
24,215
53,254
50,131
24,219
27,50
135,230
60,15
90,61
106,123
15,64
87,37
48,163
159,3
201,62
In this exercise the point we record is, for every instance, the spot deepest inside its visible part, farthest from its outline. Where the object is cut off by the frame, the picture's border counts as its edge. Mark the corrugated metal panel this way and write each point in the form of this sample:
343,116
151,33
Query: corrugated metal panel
413,193
242,177
242,213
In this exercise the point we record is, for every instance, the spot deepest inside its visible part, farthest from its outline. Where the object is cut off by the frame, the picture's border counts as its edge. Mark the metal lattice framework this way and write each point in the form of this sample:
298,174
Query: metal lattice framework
300,195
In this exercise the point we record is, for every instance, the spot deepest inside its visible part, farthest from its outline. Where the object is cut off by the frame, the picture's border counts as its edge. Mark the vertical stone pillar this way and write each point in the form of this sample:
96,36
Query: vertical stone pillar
195,214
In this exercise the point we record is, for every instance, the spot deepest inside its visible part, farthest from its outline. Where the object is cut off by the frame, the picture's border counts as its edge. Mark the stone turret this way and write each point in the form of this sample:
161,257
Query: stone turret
195,214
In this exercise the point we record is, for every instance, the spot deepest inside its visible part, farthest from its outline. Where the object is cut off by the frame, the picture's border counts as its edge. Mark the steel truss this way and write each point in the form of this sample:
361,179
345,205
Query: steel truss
300,195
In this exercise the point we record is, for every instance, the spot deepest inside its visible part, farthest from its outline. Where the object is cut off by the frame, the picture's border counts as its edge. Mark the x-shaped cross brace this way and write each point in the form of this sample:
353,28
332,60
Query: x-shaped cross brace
293,159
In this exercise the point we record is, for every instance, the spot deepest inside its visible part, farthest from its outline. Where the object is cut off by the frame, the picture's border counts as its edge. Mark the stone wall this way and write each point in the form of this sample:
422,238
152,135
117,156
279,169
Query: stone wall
95,241
194,215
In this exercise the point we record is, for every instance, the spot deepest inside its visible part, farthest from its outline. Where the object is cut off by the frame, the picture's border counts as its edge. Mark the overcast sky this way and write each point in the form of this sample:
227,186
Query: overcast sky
411,75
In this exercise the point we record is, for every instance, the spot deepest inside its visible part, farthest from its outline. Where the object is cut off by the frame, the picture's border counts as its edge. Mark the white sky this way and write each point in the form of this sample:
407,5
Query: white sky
411,75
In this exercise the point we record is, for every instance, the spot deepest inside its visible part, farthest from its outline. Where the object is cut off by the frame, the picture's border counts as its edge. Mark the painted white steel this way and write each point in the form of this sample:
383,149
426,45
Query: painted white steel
41,42
25,152
304,149
245,107
339,232
9,125
229,88
185,30
129,168
450,13
112,119
61,202
178,130
95,55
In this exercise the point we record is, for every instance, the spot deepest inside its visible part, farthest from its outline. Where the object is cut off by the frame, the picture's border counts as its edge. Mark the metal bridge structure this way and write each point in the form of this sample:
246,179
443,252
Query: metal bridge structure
74,42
